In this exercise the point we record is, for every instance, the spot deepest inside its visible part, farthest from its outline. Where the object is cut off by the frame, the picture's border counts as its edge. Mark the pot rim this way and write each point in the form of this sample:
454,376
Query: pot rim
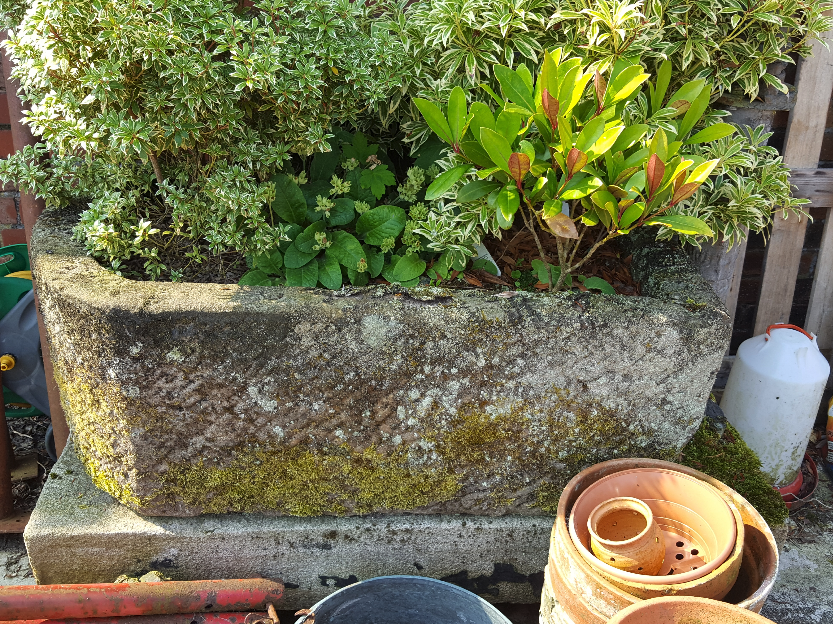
644,510
672,579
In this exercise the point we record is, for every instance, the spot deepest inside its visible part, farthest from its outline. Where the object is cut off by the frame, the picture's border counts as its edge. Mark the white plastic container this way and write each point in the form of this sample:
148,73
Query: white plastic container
773,394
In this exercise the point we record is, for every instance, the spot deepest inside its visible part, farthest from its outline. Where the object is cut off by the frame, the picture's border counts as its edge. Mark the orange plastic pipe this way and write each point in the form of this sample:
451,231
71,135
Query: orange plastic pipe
181,618
108,600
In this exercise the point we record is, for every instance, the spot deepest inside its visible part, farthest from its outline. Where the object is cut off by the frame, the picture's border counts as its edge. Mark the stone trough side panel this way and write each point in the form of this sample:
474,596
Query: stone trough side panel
190,398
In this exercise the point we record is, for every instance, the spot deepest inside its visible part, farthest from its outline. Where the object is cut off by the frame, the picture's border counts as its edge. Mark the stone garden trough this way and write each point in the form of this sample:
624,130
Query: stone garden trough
186,399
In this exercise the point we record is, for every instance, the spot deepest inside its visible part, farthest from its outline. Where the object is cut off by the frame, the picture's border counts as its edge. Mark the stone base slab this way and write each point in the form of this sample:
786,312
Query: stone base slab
79,534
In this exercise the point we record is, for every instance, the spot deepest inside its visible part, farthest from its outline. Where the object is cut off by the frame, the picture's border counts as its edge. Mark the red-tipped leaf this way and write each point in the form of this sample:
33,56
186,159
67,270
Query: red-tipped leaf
518,167
576,159
684,192
551,106
654,172
601,86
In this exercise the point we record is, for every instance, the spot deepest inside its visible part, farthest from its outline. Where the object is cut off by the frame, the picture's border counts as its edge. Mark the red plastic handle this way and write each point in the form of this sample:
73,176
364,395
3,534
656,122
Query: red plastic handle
787,326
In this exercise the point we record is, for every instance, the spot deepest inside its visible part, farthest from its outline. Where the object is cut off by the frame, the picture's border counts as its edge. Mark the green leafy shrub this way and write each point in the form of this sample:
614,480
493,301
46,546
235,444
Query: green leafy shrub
559,155
728,42
337,229
178,113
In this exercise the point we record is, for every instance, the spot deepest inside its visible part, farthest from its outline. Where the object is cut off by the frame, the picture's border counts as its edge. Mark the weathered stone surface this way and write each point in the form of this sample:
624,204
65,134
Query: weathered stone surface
79,534
188,398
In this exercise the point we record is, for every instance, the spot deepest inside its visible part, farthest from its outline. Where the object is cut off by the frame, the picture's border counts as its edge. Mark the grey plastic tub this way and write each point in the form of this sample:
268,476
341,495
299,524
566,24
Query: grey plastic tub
404,600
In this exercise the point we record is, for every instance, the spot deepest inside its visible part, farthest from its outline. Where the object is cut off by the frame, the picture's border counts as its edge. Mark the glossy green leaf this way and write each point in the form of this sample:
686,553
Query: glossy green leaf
684,224
445,181
329,271
481,117
581,185
508,201
498,148
346,249
269,263
375,260
702,171
358,279
604,142
695,112
624,84
631,214
305,276
475,190
629,137
508,124
688,92
663,80
435,119
306,239
324,165
591,132
515,88
475,153
597,283
342,213
293,258
255,277
457,117
712,133
289,203
377,224
407,268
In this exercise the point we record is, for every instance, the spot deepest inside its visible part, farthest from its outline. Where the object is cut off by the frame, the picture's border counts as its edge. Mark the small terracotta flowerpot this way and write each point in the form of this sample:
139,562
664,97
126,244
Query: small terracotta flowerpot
575,592
624,534
698,528
686,610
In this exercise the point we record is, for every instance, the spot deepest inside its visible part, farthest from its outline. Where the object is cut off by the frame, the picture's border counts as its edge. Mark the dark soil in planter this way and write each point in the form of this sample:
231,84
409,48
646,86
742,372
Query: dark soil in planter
513,253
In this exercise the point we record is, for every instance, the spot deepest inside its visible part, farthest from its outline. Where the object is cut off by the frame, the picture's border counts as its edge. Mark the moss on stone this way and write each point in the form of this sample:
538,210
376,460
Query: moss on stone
299,482
727,458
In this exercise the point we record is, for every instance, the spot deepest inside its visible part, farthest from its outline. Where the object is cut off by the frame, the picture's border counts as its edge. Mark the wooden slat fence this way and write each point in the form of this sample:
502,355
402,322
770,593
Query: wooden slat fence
802,150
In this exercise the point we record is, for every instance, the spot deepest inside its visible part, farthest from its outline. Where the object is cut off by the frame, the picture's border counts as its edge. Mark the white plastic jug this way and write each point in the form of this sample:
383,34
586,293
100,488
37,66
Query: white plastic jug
773,394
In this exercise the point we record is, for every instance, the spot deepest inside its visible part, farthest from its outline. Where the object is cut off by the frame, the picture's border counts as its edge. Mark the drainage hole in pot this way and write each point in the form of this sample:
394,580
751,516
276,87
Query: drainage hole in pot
693,567
694,551
680,544
639,568
671,571
679,556
612,559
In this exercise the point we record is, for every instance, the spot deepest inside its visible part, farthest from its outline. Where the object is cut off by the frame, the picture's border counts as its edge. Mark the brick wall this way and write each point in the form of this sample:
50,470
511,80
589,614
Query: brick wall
11,227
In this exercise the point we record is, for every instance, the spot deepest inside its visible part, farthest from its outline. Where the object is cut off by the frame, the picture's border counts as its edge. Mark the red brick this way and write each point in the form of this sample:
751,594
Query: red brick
6,146
8,211
4,110
13,236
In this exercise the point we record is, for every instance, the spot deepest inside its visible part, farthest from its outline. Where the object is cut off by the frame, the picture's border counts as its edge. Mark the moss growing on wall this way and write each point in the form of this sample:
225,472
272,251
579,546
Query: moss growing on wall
304,483
727,458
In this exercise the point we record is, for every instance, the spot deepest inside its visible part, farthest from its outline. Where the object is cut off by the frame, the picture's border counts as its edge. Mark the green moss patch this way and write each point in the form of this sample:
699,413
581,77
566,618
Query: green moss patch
304,483
727,458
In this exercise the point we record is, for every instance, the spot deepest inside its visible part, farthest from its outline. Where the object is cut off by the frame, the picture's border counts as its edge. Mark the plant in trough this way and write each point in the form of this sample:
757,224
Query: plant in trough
557,154
172,116
344,220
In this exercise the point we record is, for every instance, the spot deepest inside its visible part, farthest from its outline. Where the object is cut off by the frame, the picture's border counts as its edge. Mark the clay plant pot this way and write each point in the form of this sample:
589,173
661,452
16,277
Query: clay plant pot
698,528
574,592
685,610
625,535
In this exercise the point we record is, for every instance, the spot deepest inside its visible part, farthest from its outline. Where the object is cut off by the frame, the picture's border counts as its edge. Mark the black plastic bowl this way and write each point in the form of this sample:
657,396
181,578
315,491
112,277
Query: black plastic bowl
404,600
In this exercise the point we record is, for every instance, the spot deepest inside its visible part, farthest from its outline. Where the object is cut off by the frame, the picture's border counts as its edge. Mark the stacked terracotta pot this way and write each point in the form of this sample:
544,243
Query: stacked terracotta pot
636,529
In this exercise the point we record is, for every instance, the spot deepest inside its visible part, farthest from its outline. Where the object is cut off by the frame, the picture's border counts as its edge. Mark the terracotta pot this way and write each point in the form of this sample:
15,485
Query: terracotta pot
685,610
699,530
625,535
575,592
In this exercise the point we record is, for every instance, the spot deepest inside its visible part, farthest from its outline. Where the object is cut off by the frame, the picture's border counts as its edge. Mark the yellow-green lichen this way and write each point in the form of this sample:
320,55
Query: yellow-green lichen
305,483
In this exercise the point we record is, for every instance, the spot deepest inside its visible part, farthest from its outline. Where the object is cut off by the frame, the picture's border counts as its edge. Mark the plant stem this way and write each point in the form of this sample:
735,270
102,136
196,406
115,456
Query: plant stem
156,168
531,227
